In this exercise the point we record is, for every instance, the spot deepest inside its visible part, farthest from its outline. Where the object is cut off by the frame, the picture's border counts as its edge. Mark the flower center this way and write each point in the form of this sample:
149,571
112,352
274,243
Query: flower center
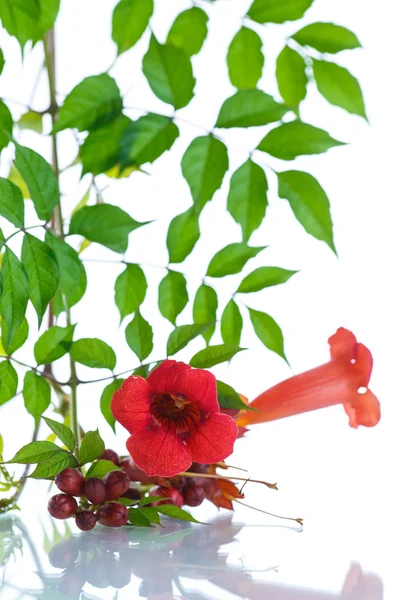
174,411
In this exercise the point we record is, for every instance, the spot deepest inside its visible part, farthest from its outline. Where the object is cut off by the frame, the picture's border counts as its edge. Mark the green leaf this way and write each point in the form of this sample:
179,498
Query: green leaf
150,499
17,340
245,59
231,324
6,125
214,355
2,61
1,445
40,179
31,120
139,335
105,401
247,198
183,234
232,259
296,138
169,73
264,277
20,18
151,514
100,468
91,448
15,295
250,108
205,307
53,344
228,397
94,353
181,336
72,273
48,14
327,37
172,295
8,382
137,518
105,224
291,76
130,290
339,87
174,512
11,203
146,139
278,11
93,102
309,204
144,370
189,30
35,452
36,393
268,332
100,150
129,22
52,466
63,432
42,270
204,165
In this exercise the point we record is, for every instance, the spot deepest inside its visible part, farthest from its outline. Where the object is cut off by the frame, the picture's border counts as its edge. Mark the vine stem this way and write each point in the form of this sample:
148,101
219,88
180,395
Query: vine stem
50,62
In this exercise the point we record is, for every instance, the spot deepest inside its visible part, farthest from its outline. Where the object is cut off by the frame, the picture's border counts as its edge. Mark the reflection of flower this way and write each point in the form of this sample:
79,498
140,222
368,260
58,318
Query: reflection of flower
174,419
344,380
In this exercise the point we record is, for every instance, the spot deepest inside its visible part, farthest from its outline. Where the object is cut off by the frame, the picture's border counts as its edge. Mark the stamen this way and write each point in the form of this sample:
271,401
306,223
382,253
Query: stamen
222,465
299,521
272,486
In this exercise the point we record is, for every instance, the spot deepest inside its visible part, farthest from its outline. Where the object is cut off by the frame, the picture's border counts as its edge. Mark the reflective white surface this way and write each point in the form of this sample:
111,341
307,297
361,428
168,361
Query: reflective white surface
226,559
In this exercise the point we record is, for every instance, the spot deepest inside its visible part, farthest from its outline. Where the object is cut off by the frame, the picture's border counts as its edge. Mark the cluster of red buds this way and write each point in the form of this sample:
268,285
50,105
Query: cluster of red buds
98,497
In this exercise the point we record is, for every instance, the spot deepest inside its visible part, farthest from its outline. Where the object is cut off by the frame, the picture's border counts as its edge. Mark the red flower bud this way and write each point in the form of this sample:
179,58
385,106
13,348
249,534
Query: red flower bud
117,483
133,471
70,481
62,506
174,496
193,495
113,514
94,490
111,455
132,494
86,520
64,554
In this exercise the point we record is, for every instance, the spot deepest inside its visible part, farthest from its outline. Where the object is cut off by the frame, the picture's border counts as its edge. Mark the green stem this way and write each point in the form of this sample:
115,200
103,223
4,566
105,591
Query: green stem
50,60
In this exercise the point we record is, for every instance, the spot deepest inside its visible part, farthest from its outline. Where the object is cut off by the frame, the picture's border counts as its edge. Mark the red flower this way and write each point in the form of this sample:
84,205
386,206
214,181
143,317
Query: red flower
173,418
344,380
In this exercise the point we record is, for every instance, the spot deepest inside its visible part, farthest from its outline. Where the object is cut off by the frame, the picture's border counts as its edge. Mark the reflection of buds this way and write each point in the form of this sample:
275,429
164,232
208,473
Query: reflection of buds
94,490
64,554
86,520
117,483
361,586
113,514
62,506
70,481
112,540
118,574
110,455
72,581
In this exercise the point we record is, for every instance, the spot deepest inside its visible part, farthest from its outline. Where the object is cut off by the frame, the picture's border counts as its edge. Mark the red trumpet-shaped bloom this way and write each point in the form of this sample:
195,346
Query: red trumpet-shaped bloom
174,419
344,380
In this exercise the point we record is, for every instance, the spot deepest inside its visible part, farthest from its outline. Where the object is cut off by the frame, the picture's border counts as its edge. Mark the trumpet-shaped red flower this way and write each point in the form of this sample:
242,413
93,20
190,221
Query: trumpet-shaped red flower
344,380
174,419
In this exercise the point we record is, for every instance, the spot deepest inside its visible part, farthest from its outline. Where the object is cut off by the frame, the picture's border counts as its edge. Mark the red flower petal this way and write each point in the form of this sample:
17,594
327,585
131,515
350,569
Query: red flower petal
213,441
364,364
131,404
343,345
365,410
200,387
159,452
162,378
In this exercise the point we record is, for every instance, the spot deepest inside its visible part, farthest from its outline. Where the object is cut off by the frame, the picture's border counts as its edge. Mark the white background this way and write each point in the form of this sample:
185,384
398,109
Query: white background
343,482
